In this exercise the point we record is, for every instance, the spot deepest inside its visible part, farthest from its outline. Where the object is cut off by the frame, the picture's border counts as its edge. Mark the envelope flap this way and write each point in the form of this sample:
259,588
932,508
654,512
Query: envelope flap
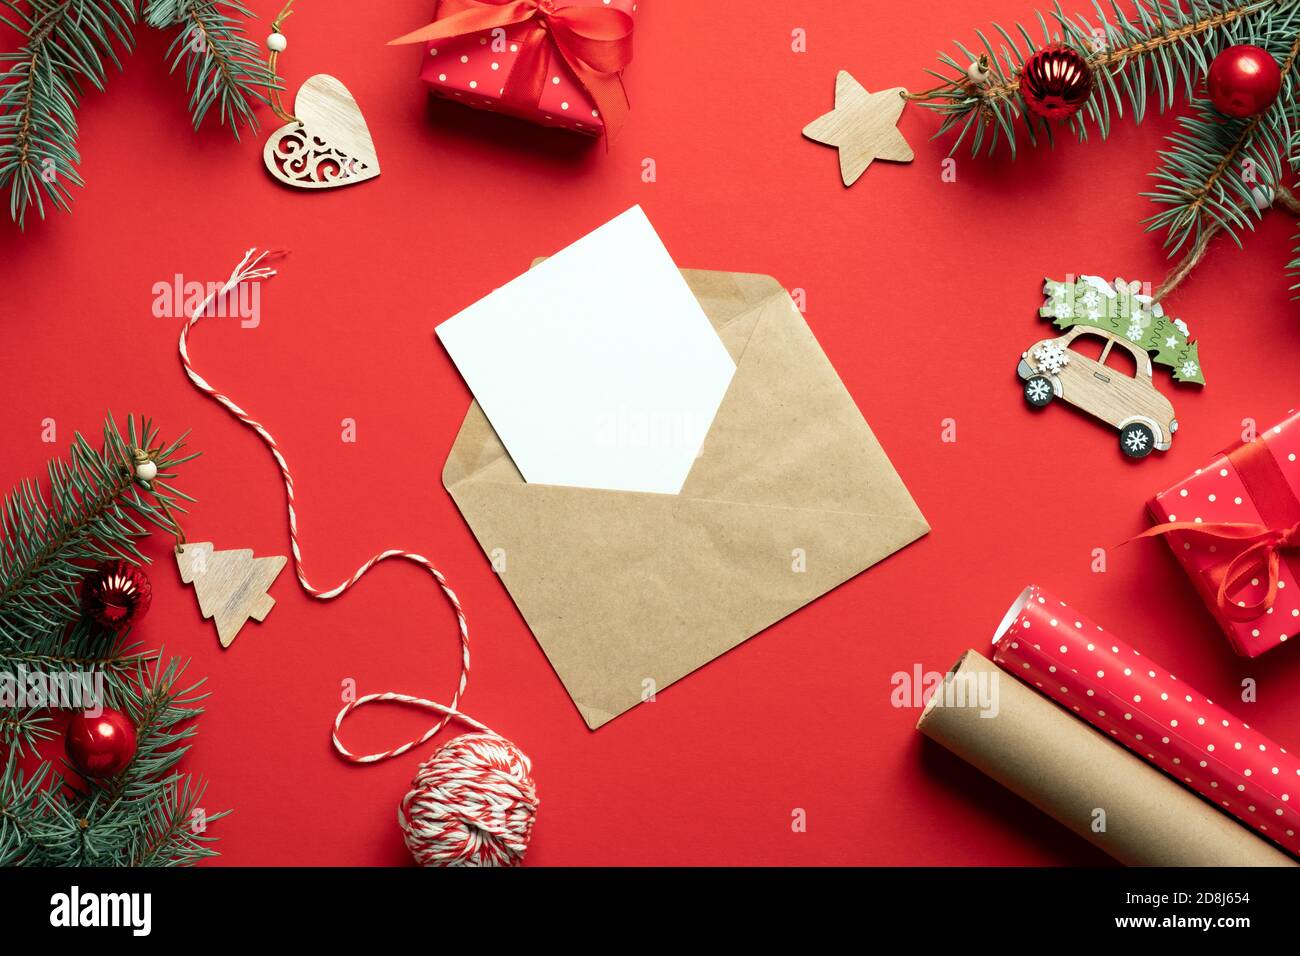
728,296
789,433
478,453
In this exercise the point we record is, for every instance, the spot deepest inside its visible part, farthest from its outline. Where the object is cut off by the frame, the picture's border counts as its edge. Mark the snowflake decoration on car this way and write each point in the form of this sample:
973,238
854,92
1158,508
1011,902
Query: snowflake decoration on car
1051,357
1135,441
1038,391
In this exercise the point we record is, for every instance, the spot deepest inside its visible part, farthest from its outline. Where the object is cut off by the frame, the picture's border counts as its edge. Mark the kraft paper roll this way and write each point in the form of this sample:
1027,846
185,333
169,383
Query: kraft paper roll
1132,699
1070,771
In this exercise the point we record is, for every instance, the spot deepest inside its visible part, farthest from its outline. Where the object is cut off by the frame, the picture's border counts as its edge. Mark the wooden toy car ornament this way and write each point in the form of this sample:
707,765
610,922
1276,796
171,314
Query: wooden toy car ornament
1128,326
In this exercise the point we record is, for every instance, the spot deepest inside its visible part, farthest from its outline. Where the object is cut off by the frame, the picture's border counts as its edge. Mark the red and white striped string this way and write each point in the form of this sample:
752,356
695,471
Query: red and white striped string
473,801
252,268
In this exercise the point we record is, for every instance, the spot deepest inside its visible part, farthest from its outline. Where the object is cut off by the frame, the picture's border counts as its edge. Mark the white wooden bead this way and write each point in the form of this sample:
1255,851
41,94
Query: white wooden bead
146,471
276,42
1261,196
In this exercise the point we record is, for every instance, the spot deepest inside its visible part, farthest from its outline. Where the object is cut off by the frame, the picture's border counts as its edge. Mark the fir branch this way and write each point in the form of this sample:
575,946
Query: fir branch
25,808
1287,200
1165,44
1293,267
175,828
22,728
82,649
96,512
148,814
145,815
1220,173
223,68
1126,42
66,46
163,714
67,43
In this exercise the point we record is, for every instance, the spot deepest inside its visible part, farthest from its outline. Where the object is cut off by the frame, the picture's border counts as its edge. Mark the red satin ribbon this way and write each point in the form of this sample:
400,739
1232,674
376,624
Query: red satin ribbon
1263,545
1261,554
595,42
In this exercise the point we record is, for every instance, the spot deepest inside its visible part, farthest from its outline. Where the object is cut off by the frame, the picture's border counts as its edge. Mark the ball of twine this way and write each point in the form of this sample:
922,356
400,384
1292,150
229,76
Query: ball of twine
472,803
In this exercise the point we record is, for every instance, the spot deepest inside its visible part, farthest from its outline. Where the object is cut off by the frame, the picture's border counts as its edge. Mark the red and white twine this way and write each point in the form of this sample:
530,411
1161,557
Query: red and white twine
473,801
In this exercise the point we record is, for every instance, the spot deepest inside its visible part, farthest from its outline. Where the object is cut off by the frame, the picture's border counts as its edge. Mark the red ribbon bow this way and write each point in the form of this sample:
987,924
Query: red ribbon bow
595,42
1260,556
1262,545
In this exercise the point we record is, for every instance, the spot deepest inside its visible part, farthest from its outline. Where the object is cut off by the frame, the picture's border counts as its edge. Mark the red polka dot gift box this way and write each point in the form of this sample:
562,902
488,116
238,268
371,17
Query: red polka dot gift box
1130,698
554,62
1235,526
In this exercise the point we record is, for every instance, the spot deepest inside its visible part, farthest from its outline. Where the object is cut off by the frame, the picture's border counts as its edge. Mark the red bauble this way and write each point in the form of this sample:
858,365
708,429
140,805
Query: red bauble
1055,82
116,595
100,746
1243,80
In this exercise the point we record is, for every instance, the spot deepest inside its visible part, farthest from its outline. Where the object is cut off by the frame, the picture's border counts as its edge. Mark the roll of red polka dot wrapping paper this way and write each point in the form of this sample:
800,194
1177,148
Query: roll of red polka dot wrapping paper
1056,649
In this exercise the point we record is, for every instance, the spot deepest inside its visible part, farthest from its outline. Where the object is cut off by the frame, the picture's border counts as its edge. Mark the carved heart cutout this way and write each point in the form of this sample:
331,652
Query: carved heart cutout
330,144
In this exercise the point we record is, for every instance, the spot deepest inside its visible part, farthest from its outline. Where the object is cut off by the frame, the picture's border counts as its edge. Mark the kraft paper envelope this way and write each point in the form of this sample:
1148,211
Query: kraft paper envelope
791,496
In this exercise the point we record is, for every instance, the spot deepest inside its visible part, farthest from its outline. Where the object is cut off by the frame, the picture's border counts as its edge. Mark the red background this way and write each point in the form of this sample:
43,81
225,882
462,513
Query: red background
923,293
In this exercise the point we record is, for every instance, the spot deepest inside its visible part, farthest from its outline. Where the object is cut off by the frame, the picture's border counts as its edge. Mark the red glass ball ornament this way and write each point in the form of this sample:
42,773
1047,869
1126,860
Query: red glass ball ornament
100,746
1243,81
116,595
1055,82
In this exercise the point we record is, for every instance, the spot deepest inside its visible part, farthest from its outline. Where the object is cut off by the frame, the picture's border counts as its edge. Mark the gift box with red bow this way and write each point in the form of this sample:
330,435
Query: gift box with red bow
554,62
1235,526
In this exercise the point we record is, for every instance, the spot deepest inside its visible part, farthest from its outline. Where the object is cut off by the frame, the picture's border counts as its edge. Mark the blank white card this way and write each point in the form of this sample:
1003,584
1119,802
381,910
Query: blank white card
597,368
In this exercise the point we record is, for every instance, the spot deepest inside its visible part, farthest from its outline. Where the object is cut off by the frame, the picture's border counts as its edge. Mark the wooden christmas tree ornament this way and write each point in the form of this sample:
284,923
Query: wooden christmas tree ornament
863,126
231,585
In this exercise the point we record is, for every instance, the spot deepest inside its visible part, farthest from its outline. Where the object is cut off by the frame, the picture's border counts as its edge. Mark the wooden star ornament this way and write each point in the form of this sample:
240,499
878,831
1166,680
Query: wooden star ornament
863,126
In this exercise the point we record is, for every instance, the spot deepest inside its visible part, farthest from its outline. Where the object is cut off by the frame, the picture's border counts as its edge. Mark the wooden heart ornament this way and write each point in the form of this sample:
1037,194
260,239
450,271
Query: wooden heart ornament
328,146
